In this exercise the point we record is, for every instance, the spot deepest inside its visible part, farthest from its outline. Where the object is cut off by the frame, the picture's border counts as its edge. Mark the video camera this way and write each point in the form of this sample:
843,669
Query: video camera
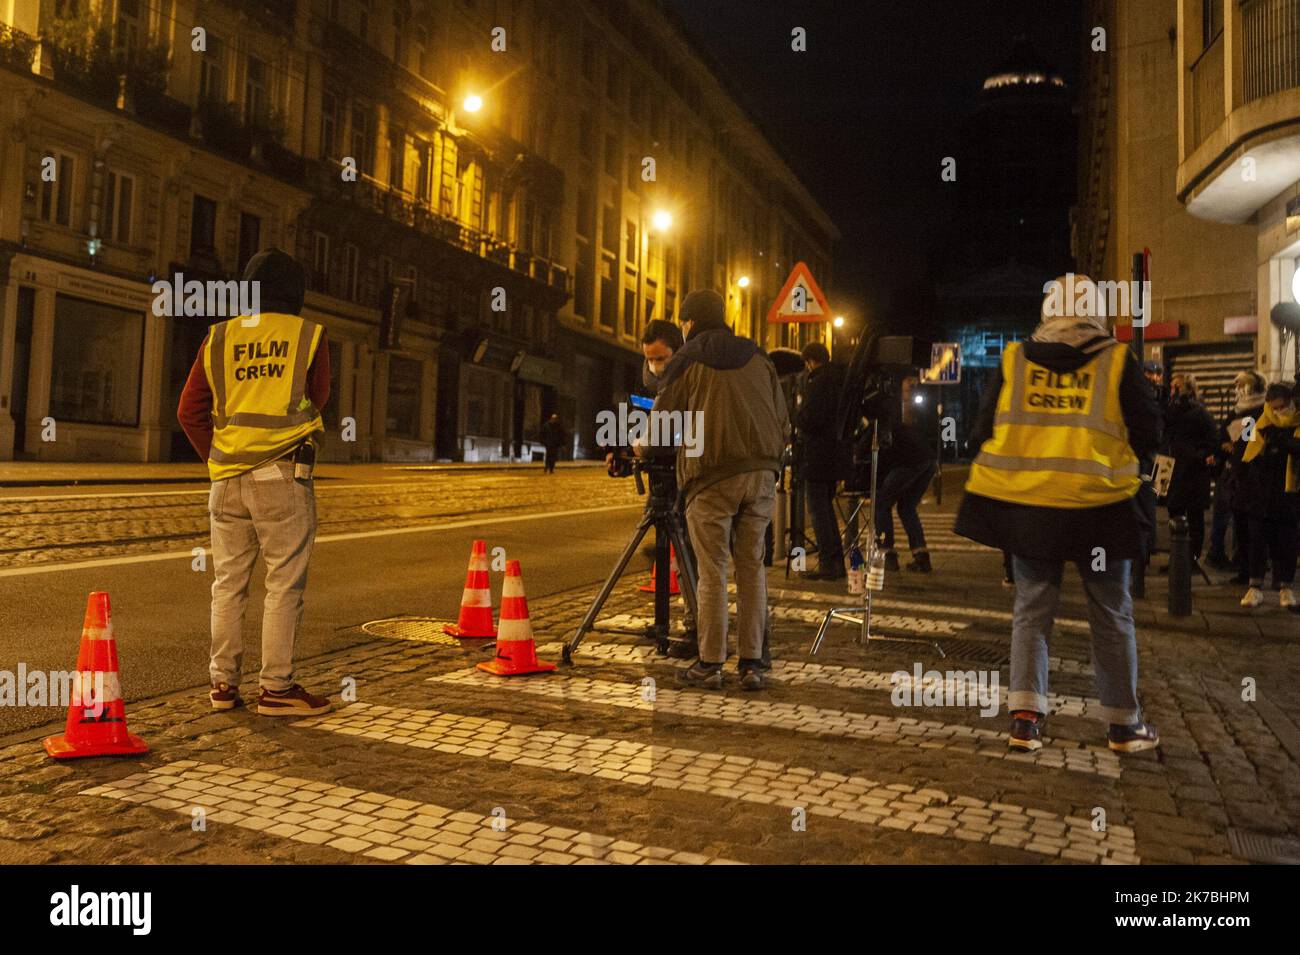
871,393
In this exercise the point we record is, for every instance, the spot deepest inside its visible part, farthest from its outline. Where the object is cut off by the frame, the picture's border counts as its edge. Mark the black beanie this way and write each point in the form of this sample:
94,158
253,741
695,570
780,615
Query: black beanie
705,309
282,281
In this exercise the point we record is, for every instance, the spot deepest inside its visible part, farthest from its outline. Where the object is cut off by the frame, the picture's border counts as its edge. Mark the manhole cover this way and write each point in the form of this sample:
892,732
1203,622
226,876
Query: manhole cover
417,629
1262,847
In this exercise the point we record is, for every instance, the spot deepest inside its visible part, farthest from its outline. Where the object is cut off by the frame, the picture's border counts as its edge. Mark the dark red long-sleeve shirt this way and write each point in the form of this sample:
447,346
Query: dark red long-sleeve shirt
195,410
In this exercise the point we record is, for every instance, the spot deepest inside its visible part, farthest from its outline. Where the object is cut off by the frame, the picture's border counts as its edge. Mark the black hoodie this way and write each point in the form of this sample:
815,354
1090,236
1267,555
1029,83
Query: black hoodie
282,281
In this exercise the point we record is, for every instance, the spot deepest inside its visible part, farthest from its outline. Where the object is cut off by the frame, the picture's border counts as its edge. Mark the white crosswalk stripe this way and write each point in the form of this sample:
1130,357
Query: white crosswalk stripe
368,823
798,672
851,798
890,603
800,718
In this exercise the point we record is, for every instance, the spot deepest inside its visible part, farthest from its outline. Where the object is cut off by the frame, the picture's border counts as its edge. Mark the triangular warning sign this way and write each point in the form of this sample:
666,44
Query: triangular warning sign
801,299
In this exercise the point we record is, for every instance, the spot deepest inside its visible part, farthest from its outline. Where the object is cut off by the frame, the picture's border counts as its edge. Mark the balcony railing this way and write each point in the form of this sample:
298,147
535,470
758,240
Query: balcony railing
1270,47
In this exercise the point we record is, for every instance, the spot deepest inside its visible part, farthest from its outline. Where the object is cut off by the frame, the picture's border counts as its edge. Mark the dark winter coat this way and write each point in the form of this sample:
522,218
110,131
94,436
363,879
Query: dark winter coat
1190,438
1263,480
824,457
1057,533
733,386
1234,469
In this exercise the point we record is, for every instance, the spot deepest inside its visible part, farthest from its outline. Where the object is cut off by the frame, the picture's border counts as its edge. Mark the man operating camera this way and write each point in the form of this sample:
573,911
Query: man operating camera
729,387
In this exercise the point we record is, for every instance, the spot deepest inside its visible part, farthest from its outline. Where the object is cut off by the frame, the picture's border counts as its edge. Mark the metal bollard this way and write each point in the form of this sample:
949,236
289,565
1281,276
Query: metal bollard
1180,569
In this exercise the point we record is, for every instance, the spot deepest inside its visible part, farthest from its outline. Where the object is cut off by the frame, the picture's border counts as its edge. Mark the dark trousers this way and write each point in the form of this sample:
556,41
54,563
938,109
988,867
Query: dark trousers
552,455
1241,542
1273,538
821,502
1195,527
902,487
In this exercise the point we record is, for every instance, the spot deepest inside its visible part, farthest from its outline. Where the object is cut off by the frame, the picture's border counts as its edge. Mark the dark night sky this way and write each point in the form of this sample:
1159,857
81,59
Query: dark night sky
866,115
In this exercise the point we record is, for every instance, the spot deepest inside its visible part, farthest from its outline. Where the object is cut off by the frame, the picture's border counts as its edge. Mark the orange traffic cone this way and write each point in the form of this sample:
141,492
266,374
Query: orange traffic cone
516,651
96,715
672,579
476,603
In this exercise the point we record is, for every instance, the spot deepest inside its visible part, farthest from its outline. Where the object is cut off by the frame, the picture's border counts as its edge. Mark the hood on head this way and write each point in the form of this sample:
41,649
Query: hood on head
282,281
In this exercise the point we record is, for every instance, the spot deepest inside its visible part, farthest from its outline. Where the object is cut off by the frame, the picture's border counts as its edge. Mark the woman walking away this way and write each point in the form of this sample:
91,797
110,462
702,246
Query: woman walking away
1272,480
1063,427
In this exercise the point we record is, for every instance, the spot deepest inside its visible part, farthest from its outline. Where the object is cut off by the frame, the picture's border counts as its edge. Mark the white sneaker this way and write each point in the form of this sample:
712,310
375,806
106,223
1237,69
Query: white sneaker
1254,598
1286,597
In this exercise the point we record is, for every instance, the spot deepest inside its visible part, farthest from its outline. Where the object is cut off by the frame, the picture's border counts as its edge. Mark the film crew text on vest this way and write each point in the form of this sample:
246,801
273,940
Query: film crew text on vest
252,351
175,297
630,428
61,688
74,907
1058,390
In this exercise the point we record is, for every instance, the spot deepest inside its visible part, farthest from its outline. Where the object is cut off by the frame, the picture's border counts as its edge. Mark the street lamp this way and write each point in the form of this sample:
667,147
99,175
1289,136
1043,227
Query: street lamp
839,321
473,103
662,220
743,281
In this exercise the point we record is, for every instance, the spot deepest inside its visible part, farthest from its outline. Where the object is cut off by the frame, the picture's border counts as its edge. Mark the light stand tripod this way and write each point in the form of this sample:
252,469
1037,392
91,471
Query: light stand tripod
861,615
660,513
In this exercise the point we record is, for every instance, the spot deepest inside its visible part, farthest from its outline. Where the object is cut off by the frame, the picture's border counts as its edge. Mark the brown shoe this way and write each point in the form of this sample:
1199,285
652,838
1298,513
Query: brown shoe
294,701
225,697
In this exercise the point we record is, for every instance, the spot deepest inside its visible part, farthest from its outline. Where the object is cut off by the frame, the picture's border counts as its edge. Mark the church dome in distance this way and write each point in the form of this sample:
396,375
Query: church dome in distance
1025,70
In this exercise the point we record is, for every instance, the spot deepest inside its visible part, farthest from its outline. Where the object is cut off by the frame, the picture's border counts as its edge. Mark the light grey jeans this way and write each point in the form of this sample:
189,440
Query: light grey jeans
729,519
1110,620
265,507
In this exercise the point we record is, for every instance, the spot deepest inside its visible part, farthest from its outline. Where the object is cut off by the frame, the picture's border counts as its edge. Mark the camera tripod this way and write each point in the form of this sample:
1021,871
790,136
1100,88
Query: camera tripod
660,513
861,615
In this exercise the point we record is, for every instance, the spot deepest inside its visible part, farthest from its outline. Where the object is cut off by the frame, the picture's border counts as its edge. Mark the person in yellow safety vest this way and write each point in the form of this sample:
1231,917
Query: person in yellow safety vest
251,408
1065,422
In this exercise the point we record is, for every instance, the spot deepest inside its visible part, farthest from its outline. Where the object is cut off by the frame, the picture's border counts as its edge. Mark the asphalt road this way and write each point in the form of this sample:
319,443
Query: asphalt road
160,607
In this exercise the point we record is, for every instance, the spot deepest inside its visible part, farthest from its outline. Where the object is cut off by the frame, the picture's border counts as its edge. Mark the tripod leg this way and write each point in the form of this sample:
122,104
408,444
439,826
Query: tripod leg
686,573
646,522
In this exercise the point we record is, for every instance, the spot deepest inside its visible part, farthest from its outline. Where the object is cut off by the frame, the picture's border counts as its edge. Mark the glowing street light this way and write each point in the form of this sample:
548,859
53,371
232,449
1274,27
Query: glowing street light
662,220
743,281
839,321
473,103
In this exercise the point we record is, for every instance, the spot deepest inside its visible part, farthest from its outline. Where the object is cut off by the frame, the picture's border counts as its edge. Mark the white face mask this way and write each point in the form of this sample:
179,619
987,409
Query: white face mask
657,367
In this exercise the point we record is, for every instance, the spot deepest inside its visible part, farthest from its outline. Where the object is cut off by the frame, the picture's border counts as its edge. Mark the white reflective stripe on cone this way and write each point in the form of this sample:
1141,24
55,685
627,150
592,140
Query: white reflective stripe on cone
476,598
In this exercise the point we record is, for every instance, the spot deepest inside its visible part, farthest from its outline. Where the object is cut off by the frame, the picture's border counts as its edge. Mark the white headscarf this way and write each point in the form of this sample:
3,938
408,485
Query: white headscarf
1074,314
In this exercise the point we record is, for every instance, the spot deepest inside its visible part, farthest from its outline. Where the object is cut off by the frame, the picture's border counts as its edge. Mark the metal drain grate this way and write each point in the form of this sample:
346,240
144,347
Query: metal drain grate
978,651
416,629
1262,847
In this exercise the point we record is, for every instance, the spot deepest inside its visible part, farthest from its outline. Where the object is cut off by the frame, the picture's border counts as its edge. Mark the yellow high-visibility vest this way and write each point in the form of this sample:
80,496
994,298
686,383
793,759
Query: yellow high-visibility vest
1059,438
258,374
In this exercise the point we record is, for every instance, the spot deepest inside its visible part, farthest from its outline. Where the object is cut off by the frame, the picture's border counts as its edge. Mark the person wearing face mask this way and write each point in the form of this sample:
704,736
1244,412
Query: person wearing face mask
1191,440
1271,482
1249,388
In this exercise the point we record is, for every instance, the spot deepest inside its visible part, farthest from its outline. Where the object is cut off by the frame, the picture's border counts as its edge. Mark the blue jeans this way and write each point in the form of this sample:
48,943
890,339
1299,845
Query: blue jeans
902,487
1114,639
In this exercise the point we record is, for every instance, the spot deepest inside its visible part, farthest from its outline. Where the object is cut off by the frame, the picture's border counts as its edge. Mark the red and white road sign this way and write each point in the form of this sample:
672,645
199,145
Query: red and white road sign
801,299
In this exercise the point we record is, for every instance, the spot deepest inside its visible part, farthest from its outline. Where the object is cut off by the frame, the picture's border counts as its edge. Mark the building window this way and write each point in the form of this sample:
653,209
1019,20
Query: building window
56,194
129,27
363,138
212,72
351,272
1211,20
611,155
96,374
629,245
331,120
203,226
320,261
256,101
399,37
405,377
424,177
586,214
582,283
396,157
608,303
629,312
250,237
118,205
586,136
609,230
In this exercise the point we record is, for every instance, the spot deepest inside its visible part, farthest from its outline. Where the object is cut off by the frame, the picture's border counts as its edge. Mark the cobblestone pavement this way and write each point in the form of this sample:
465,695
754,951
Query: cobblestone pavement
78,525
610,761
